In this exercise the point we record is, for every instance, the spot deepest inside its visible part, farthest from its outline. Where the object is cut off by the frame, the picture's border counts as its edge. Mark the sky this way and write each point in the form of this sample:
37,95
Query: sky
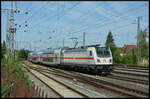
51,22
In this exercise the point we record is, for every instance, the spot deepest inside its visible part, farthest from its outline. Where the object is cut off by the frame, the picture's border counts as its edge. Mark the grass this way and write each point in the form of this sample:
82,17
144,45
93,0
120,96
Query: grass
5,87
13,67
19,70
27,80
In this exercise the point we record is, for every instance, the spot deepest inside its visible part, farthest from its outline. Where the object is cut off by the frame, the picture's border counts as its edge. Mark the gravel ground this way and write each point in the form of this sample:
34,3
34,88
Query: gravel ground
50,93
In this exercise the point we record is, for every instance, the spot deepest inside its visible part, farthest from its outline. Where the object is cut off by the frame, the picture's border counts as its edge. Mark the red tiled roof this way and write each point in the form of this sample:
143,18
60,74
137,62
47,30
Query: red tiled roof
130,46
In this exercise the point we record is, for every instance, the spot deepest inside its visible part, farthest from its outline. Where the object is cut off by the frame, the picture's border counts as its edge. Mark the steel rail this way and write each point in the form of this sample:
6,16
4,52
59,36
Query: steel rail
60,83
108,85
133,67
134,70
103,84
44,83
140,81
128,73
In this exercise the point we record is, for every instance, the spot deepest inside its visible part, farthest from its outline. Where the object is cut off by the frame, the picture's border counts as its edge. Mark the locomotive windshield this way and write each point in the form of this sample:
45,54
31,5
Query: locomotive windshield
102,52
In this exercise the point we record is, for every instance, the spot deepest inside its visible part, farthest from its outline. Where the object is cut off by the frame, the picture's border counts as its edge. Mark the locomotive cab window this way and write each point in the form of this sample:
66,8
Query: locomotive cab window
103,52
90,53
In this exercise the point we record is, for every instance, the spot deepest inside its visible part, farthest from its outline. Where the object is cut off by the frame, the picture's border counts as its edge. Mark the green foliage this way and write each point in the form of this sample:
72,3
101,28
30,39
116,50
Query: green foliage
20,59
3,49
27,80
4,44
116,56
4,88
14,68
110,41
134,59
110,44
19,70
5,64
3,61
23,54
143,44
128,59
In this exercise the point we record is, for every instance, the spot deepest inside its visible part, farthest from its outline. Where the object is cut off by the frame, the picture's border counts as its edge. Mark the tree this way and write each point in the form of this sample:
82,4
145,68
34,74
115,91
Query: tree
4,44
143,44
110,40
3,47
110,44
23,54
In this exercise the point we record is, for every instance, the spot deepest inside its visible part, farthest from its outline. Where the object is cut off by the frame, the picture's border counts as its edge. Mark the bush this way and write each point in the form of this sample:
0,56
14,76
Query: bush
3,50
23,54
19,70
27,80
128,59
116,56
20,59
4,89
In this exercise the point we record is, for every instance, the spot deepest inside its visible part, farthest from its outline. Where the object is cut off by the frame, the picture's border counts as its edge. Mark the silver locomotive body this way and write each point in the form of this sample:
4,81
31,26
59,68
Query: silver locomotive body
97,59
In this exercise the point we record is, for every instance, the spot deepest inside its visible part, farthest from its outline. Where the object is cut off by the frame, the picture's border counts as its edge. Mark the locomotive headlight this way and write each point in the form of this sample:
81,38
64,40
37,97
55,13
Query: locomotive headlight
98,60
110,60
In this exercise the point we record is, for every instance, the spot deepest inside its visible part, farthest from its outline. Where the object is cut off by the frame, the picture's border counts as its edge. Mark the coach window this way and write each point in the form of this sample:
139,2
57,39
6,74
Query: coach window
90,53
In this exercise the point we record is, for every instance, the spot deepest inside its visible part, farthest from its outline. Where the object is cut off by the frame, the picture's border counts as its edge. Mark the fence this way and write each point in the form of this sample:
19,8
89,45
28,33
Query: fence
39,93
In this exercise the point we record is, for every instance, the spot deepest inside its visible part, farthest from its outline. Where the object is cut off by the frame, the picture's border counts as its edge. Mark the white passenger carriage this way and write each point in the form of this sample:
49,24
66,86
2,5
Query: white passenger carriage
50,57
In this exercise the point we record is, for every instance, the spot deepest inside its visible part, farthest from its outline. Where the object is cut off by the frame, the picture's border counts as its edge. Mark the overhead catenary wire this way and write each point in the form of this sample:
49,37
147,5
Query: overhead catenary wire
112,21
54,16
35,13
82,29
46,19
109,22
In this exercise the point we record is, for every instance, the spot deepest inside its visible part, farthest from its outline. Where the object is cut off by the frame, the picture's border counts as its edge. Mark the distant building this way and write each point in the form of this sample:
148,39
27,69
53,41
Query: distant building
121,49
127,49
130,49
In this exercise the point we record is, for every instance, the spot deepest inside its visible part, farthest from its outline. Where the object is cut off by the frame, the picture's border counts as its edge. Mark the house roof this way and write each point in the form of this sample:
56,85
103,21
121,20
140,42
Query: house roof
130,46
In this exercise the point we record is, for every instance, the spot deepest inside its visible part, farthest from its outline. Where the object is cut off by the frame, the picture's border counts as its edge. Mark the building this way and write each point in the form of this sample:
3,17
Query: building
127,49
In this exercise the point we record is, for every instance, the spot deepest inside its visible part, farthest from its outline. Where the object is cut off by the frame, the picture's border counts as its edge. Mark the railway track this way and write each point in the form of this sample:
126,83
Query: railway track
140,81
99,83
108,85
131,73
114,76
134,70
124,78
133,67
62,90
